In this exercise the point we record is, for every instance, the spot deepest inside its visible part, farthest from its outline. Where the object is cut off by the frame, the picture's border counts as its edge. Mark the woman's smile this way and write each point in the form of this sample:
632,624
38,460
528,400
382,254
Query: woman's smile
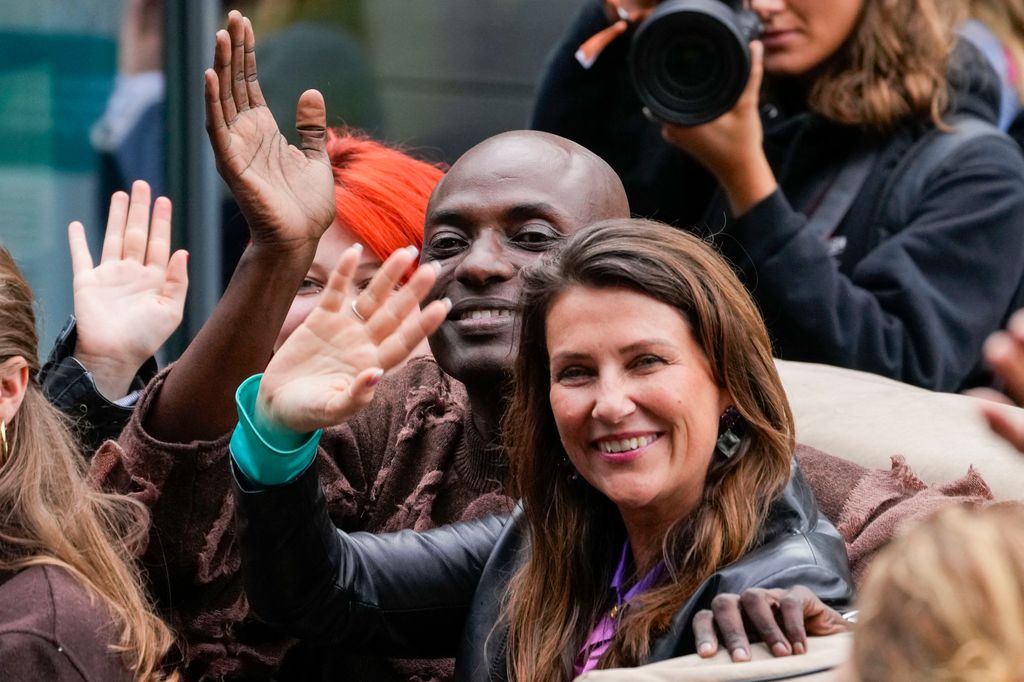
636,407
624,447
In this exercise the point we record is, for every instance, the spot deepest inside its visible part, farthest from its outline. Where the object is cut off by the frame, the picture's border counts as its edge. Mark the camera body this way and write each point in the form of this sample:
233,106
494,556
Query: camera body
690,59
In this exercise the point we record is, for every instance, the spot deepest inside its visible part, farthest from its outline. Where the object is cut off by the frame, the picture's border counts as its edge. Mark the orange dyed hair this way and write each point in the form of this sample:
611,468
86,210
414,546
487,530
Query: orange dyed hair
381,192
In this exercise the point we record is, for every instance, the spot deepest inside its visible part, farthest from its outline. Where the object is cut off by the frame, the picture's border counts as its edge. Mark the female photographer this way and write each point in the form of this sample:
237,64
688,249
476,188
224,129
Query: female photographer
863,98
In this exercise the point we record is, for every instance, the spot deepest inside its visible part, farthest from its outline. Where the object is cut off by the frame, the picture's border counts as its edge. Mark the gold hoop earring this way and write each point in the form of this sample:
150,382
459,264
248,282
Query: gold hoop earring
3,438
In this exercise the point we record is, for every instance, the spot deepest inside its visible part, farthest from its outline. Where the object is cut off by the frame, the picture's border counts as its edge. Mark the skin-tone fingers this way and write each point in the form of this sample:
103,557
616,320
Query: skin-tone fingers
418,326
81,259
1004,352
728,618
114,235
216,126
400,303
758,606
252,83
158,250
333,295
383,283
311,124
704,633
362,389
136,231
793,608
990,394
753,89
222,65
176,282
239,87
1009,427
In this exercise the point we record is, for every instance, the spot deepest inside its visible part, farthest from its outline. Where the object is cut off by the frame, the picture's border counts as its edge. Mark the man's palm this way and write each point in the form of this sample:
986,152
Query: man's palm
285,192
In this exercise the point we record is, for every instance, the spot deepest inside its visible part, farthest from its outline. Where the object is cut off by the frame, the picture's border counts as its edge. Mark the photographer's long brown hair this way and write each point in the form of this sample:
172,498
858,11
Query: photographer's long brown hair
50,515
576,534
893,67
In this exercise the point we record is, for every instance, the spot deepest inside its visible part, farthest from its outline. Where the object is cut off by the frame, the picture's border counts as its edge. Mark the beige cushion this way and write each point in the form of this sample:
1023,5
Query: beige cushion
866,418
824,655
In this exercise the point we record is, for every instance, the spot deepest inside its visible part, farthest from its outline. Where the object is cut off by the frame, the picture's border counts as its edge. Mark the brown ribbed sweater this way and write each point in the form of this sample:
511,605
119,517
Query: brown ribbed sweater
411,459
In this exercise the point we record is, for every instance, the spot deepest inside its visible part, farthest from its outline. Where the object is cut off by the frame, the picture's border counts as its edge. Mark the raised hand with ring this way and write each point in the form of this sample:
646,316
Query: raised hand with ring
327,369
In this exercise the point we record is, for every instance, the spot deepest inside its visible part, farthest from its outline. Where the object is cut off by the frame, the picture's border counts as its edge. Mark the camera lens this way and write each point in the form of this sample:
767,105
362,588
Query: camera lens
689,66
690,61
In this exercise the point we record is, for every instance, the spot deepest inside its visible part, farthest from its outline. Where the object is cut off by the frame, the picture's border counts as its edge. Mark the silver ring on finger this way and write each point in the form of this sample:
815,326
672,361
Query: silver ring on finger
355,311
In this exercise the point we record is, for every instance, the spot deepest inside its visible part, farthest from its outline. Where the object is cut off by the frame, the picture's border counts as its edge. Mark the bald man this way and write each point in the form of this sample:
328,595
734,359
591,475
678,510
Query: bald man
425,452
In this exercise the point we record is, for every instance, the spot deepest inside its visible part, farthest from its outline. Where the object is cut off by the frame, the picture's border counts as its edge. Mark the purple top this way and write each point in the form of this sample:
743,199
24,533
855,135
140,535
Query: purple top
603,633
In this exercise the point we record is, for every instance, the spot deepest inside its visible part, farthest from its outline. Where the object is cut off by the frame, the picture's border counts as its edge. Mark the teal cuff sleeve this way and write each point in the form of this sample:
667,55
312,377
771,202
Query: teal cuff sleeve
266,453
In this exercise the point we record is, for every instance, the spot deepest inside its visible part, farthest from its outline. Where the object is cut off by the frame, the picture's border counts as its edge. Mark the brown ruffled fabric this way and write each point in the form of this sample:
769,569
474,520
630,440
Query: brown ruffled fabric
409,460
870,506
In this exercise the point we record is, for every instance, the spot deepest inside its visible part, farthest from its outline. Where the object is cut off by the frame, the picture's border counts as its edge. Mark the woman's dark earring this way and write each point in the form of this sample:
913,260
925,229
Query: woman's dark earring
729,440
572,476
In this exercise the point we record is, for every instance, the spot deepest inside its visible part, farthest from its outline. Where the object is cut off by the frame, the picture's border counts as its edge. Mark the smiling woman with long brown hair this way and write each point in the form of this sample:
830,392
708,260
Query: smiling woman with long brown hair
649,439
71,602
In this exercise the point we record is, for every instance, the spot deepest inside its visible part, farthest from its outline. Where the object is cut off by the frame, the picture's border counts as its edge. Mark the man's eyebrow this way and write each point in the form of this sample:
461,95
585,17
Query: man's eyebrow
453,218
526,211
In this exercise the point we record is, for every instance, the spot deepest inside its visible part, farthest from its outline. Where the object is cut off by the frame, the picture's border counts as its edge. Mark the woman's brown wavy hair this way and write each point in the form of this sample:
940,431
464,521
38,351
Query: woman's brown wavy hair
576,533
892,68
49,513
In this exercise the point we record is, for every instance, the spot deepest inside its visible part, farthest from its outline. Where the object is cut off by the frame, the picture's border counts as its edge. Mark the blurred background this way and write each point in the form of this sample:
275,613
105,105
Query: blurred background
97,93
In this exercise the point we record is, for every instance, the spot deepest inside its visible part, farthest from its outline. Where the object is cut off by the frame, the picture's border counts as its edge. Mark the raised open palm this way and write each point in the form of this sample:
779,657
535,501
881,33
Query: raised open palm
129,304
327,369
286,193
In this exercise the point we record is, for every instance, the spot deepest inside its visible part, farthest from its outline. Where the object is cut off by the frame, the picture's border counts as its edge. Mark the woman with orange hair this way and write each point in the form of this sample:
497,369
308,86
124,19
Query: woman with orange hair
381,197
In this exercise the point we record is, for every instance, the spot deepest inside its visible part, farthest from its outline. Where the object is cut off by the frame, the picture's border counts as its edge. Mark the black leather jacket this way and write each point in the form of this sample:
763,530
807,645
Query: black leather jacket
70,387
438,593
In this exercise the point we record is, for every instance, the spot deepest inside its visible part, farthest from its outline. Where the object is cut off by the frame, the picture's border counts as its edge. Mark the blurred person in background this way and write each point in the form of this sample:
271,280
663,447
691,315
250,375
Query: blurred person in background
870,204
996,27
945,601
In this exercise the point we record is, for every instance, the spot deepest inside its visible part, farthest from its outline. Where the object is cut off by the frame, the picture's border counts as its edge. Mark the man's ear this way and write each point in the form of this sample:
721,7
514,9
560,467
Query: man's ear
13,382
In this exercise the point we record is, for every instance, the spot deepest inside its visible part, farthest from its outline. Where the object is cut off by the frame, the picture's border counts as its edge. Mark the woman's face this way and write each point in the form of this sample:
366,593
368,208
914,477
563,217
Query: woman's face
800,35
335,240
632,395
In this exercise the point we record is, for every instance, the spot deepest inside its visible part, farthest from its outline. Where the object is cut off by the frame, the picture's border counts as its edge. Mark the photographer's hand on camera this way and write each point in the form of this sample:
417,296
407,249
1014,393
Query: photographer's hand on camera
633,8
731,146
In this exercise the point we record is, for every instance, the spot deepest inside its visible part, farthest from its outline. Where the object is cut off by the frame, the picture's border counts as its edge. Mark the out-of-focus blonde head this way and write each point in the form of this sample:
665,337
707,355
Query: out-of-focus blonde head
945,602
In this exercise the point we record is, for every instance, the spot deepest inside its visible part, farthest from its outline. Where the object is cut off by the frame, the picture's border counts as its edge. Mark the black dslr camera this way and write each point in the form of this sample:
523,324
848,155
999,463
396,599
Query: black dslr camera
690,59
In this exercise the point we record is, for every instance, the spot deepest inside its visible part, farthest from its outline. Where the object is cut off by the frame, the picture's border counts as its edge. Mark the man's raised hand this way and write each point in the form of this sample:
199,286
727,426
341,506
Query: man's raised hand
286,193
